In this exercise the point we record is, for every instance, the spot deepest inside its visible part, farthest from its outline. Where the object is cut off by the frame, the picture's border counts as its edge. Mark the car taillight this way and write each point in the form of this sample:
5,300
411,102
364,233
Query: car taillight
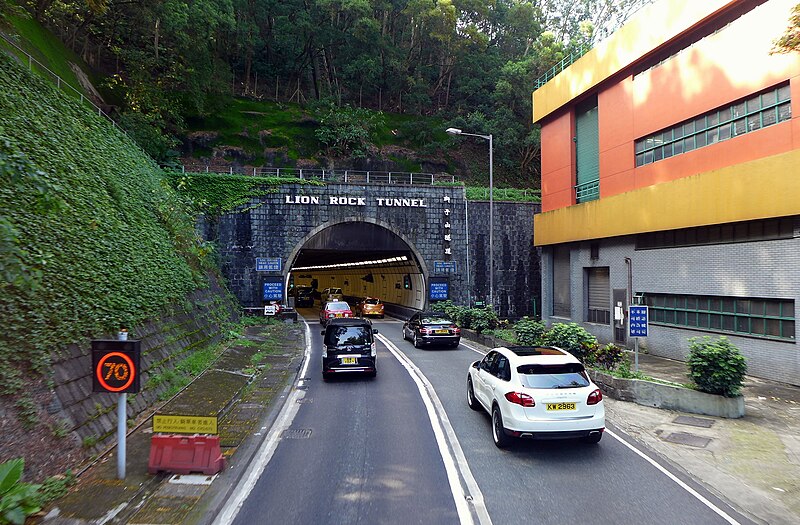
425,330
373,349
518,398
594,398
455,329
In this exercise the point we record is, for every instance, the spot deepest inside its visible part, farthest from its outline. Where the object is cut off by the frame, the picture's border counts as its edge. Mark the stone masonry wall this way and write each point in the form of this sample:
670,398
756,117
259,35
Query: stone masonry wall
272,227
194,325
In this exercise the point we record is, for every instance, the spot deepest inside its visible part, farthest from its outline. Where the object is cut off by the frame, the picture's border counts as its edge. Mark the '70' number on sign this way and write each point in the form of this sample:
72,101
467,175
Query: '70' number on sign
118,370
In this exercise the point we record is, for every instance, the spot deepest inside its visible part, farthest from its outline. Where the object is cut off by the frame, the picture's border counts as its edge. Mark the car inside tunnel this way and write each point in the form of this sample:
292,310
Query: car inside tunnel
364,260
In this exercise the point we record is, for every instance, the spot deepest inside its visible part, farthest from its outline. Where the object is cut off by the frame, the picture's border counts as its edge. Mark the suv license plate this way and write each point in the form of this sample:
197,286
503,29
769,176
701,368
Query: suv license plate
560,406
349,360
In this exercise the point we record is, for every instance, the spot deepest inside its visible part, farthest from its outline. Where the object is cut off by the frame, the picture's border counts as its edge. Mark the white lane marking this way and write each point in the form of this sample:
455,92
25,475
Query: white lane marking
448,443
653,462
472,348
674,478
264,455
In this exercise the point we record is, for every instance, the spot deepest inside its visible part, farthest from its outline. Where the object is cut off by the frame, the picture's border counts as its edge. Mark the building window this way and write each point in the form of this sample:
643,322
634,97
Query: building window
770,318
587,152
751,114
562,305
599,296
594,251
749,231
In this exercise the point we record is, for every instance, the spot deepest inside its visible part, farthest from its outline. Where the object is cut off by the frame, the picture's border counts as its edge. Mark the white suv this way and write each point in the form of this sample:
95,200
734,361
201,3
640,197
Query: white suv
538,392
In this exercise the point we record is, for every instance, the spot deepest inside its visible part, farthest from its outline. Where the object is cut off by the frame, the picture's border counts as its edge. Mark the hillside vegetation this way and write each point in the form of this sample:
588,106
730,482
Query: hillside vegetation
173,68
92,238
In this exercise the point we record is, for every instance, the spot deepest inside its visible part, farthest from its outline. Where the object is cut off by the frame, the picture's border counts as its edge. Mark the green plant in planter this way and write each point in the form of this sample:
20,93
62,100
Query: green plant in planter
607,357
571,337
716,367
529,331
17,499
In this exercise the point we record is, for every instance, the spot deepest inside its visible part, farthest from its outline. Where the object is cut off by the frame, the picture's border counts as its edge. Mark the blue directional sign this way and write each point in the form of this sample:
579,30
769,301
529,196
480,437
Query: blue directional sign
273,289
440,289
268,264
637,321
444,266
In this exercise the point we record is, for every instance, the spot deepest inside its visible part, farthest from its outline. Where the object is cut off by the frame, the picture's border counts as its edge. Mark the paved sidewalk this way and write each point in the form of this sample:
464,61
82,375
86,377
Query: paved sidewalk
752,462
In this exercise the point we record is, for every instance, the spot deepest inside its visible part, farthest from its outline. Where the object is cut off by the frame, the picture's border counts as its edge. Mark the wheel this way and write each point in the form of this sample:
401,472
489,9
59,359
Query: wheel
454,345
594,438
417,343
501,439
471,401
326,376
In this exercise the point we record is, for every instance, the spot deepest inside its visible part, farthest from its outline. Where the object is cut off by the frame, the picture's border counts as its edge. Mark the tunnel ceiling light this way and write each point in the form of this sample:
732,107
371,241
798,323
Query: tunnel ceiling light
402,258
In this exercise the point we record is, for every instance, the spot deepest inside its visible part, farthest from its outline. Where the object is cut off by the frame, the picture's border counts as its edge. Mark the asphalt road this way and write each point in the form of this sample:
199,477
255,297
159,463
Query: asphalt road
372,457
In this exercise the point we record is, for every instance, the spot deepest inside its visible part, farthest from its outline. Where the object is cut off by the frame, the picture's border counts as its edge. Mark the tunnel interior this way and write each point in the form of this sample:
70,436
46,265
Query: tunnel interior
364,260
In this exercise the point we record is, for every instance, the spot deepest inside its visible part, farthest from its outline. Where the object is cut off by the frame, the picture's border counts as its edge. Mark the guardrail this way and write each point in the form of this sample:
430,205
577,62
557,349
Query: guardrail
330,175
60,83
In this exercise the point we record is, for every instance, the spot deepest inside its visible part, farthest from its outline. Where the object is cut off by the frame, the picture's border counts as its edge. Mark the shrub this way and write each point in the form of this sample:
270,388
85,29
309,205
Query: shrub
608,356
572,338
17,499
529,331
716,367
478,319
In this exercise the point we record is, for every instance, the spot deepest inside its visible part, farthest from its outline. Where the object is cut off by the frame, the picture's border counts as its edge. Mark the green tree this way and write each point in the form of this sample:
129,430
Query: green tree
790,41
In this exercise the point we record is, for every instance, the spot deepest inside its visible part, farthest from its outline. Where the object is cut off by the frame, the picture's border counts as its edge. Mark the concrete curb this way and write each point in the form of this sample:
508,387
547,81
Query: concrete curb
668,397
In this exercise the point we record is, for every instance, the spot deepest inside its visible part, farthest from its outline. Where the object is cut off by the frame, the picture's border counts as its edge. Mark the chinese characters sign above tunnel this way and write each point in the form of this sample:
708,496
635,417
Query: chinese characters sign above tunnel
342,200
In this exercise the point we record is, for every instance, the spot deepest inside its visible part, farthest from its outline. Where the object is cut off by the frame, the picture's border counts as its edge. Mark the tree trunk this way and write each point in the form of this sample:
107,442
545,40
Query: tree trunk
155,38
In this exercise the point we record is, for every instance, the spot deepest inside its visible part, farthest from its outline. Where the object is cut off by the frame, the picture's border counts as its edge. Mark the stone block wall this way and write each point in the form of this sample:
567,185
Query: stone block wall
165,341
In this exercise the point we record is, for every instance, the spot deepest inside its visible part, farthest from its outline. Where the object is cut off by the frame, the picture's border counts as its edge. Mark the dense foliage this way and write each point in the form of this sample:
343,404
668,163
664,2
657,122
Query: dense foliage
472,62
571,337
216,194
92,237
716,366
478,319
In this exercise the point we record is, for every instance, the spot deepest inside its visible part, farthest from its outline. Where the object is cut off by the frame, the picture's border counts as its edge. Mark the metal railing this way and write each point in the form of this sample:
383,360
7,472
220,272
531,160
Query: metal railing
60,83
587,191
345,176
561,66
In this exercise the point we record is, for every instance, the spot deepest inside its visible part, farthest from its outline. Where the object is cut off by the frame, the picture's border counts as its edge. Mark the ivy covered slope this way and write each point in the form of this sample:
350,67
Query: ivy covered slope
91,236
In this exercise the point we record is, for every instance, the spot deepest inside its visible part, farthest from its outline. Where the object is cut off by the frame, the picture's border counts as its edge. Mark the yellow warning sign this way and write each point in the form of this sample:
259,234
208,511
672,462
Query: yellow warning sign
174,424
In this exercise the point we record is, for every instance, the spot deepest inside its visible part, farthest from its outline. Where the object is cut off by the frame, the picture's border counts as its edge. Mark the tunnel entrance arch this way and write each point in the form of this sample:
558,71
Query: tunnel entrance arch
363,256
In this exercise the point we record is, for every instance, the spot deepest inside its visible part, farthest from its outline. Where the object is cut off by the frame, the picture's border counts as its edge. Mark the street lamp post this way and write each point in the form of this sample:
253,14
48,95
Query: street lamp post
455,131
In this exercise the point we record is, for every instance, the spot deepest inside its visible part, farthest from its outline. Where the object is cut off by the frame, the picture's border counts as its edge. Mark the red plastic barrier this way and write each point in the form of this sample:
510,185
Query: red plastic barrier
182,454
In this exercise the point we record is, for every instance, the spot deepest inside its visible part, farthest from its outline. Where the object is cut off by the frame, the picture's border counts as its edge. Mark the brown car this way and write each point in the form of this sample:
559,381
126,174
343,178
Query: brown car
370,306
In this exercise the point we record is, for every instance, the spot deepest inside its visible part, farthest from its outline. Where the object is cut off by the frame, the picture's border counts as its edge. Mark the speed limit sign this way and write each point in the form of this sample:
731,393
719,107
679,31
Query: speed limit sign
115,366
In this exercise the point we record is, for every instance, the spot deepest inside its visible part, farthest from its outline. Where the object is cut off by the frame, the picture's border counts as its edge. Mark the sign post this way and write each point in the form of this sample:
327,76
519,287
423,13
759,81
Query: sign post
637,327
115,368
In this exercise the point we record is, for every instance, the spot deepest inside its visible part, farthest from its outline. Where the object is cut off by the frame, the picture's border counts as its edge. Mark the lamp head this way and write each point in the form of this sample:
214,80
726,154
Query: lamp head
453,131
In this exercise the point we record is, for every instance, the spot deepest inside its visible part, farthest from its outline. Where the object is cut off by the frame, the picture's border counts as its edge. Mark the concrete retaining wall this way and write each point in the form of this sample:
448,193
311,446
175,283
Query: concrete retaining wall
668,397
165,341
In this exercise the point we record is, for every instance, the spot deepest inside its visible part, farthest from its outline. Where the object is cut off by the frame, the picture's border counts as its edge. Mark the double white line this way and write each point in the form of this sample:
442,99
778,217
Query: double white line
466,493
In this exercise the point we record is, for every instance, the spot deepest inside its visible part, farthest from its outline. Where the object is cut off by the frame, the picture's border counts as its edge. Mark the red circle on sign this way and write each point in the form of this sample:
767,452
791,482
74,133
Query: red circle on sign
114,372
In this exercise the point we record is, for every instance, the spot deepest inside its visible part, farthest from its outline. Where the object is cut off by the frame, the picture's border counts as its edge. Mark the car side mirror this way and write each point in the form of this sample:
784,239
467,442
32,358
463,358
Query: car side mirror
322,332
476,364
374,330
